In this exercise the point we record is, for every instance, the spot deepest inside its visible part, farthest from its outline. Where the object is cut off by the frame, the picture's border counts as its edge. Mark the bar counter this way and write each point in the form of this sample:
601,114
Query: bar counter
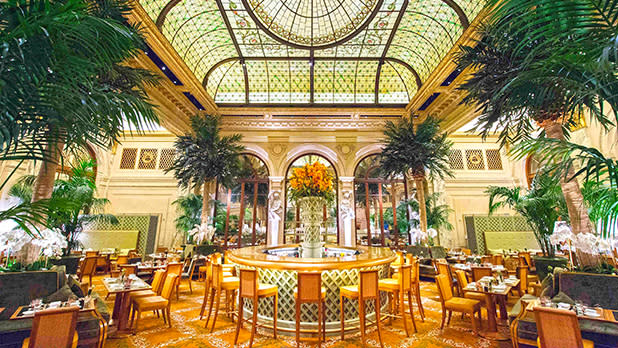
339,268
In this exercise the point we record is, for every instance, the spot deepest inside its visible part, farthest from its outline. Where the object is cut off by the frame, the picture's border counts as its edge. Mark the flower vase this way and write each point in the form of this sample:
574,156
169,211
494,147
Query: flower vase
311,218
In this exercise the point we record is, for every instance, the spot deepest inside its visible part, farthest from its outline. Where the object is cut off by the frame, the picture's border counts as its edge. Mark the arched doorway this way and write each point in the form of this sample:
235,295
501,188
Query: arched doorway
292,227
380,205
241,212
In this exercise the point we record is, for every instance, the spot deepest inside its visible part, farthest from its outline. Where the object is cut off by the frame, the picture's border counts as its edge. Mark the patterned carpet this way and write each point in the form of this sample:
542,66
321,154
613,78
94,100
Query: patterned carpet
188,331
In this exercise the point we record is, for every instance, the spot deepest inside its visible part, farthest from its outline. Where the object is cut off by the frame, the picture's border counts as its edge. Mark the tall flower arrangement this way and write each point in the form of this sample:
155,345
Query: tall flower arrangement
312,180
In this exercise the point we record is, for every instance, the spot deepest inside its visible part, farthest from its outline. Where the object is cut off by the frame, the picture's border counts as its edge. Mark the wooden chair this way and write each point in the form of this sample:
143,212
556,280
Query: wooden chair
522,274
486,259
103,263
155,303
466,251
188,274
511,264
527,260
462,279
558,328
219,285
444,268
250,288
46,331
210,260
513,328
157,287
175,268
92,253
309,289
497,259
398,288
480,272
366,290
452,304
87,268
128,269
122,260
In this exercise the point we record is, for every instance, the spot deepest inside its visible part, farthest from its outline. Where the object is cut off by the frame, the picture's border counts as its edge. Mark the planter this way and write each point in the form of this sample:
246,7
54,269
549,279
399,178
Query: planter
311,218
544,263
70,262
206,249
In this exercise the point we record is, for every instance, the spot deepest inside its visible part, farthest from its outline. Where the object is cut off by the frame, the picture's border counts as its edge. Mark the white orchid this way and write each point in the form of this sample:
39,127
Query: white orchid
51,242
586,242
12,239
432,233
562,233
202,233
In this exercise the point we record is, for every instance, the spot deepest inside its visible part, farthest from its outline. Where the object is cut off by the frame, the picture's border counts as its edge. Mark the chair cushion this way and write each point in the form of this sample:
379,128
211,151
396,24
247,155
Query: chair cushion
230,283
75,286
460,304
350,291
265,290
388,284
586,343
150,302
475,296
142,293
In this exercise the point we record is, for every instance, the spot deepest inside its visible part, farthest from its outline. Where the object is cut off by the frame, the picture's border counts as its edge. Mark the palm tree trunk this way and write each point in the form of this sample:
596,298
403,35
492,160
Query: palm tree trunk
44,182
578,213
419,182
205,199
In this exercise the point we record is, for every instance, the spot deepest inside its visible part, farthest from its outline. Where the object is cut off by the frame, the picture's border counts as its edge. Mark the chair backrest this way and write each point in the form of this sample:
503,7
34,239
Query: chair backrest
480,272
91,253
405,277
416,270
196,264
444,289
122,260
511,263
161,250
522,274
217,275
102,260
46,331
466,251
497,259
400,258
444,268
461,278
129,269
174,268
557,328
248,281
526,258
486,259
89,265
168,286
309,286
157,281
410,258
368,284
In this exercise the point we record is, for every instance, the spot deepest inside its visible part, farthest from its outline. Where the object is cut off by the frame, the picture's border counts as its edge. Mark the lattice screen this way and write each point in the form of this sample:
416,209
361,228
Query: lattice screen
148,159
139,223
494,160
484,224
129,155
475,160
455,160
167,158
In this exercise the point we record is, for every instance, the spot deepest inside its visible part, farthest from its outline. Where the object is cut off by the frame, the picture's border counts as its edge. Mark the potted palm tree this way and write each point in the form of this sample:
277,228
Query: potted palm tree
416,151
540,63
542,205
203,156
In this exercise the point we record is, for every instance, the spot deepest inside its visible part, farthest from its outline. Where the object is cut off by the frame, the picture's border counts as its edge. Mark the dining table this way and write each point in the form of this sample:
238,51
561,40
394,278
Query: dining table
27,312
122,288
494,295
468,267
589,313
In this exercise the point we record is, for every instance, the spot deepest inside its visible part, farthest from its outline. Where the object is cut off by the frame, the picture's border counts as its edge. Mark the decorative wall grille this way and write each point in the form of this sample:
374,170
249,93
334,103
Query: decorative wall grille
475,160
148,159
455,160
167,158
129,155
494,160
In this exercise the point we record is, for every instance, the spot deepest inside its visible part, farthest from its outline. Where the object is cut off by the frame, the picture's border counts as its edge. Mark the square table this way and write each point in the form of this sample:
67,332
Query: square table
604,315
23,312
121,303
497,294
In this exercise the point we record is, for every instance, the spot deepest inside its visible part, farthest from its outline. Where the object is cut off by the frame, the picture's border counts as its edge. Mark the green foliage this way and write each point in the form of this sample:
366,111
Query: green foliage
189,210
206,155
526,69
73,205
541,206
415,150
599,173
437,214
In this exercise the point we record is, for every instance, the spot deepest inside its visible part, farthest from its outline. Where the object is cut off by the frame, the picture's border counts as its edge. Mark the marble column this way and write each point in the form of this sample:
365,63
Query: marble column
276,212
347,230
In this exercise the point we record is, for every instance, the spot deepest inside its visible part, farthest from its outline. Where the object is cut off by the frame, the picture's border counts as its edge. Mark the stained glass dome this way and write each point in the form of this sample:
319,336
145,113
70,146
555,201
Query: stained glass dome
312,23
312,52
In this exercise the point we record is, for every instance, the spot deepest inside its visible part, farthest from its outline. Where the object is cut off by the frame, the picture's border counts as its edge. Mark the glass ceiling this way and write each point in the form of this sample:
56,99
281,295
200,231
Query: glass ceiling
326,52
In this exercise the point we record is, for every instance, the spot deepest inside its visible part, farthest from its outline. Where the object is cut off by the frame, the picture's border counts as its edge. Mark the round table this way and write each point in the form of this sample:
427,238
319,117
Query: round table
339,268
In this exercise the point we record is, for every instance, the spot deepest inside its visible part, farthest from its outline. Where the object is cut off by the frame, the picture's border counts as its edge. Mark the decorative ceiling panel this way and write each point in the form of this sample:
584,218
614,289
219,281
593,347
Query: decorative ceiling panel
275,47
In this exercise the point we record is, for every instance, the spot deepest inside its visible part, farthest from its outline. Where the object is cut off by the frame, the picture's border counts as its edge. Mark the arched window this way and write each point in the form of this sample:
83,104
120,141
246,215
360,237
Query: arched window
244,205
380,205
532,167
292,211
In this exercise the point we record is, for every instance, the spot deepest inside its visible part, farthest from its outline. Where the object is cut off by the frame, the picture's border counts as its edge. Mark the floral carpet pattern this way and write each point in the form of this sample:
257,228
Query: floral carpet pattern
188,331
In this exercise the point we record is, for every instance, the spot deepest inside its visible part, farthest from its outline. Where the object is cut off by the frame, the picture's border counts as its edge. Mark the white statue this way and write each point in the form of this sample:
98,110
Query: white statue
274,215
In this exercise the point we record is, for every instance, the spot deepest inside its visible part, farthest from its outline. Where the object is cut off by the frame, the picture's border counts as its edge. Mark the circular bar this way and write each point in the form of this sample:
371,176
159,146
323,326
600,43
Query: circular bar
339,266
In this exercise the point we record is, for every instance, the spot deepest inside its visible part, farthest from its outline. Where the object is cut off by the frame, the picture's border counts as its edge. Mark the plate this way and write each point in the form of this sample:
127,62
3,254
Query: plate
563,305
592,313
